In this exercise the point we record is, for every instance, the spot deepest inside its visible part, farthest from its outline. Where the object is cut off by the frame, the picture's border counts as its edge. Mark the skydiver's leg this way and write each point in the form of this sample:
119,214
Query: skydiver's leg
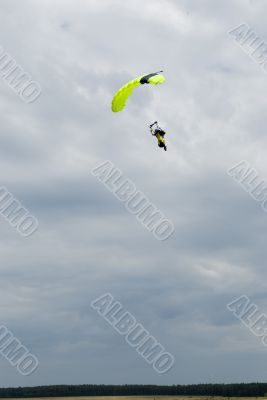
161,144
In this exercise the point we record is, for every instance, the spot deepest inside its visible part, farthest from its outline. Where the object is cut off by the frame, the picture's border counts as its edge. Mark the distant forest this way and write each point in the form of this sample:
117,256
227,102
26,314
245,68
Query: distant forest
220,389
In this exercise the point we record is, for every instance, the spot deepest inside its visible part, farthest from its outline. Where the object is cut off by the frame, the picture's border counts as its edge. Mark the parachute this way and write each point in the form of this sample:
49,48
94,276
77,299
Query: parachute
120,98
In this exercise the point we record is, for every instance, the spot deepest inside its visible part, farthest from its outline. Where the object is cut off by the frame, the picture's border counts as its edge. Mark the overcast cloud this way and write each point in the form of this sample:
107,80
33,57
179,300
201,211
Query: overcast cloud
213,106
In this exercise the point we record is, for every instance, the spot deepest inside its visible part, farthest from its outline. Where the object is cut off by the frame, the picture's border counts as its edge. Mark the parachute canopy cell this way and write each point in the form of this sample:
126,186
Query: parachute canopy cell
120,98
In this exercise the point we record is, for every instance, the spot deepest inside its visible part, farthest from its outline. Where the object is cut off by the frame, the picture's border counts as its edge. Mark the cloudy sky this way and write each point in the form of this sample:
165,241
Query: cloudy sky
213,106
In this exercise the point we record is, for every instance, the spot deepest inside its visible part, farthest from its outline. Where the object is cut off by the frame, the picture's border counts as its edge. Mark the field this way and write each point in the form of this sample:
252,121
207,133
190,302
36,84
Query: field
140,398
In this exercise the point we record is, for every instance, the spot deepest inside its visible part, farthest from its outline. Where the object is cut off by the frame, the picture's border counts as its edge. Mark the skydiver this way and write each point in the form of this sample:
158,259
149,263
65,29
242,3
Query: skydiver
159,134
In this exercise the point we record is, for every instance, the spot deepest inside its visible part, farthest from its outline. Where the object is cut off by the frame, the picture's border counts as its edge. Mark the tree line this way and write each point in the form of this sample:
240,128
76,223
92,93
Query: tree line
220,389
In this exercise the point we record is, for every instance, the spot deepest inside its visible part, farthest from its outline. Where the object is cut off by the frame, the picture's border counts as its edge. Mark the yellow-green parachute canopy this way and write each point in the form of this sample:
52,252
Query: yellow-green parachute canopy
120,98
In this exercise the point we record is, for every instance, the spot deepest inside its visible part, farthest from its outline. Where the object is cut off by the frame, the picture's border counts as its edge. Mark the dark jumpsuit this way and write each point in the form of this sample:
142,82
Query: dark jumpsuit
160,136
